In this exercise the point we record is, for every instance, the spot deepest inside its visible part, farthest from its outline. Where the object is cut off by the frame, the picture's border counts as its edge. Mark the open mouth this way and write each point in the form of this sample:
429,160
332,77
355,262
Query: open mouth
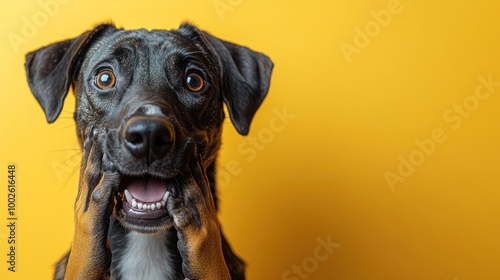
141,202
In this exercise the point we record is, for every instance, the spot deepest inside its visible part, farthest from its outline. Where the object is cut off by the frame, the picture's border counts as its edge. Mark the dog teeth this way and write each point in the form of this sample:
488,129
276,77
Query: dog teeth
165,196
128,196
146,206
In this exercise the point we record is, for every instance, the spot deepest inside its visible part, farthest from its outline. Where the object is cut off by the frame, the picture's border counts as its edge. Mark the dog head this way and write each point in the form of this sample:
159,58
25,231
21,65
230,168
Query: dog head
157,96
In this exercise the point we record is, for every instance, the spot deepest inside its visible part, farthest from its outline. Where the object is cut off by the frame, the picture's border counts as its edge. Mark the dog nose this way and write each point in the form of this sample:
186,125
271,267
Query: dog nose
149,138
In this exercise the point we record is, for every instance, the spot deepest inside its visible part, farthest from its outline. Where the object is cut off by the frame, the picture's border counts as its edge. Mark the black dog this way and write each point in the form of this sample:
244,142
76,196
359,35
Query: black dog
148,115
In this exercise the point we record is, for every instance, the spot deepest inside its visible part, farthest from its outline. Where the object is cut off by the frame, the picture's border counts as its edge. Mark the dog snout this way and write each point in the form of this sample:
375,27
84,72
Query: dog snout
148,138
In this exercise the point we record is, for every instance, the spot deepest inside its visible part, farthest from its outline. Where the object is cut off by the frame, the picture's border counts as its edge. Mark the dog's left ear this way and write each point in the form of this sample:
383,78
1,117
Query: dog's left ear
245,77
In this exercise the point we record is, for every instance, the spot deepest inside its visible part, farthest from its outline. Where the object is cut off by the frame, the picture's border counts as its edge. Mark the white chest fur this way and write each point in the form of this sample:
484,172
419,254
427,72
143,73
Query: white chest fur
146,257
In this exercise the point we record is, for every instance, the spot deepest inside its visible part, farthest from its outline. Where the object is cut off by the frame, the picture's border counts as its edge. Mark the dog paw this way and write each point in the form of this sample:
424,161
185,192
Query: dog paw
190,202
107,187
198,230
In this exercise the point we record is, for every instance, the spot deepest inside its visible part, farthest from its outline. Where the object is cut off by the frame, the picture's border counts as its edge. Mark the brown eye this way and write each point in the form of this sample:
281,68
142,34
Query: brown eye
105,79
194,82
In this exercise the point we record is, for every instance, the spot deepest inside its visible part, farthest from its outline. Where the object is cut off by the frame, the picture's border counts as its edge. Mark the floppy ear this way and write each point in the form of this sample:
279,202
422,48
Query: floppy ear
245,76
50,70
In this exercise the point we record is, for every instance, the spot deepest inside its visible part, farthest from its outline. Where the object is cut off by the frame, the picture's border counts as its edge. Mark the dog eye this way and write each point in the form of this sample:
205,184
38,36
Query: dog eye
105,79
194,82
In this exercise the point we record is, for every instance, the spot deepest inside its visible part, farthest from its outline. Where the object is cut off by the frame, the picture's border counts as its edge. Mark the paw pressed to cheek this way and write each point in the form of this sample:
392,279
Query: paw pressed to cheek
99,180
108,185
198,230
189,207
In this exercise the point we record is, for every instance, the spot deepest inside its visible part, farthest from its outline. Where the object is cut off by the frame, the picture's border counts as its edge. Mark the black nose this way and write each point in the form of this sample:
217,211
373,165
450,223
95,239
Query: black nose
148,138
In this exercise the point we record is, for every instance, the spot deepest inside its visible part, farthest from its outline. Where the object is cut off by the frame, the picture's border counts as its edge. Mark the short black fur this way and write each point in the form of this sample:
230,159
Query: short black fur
150,68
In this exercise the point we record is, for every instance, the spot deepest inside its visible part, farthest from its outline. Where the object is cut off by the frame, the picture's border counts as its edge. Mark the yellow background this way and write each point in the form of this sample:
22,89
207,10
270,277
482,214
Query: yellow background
320,175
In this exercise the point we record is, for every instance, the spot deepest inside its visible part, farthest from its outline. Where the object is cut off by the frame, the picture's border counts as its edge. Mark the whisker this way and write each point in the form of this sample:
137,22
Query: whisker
65,162
68,126
64,150
223,168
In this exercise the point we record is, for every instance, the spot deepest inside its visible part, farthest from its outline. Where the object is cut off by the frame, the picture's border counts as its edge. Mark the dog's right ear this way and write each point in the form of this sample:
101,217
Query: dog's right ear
50,70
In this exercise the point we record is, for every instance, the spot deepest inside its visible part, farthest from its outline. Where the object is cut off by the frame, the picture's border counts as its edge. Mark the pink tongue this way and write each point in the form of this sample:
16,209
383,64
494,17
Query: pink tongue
146,189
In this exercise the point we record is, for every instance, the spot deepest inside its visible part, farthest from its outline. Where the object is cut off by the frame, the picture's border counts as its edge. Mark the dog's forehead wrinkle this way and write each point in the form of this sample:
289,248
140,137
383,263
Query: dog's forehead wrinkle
150,38
152,49
122,40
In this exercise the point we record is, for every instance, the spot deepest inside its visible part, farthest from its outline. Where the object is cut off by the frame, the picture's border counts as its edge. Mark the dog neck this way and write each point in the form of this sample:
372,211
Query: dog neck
147,257
144,256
